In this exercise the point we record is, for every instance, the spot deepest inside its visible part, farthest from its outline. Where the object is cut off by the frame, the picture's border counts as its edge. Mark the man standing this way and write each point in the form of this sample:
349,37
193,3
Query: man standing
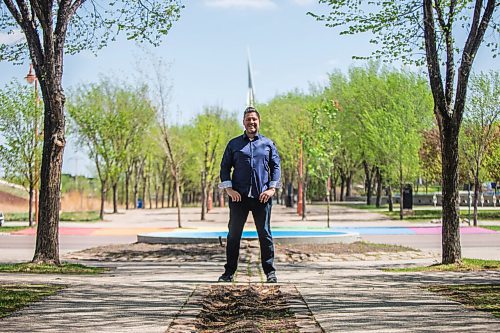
256,173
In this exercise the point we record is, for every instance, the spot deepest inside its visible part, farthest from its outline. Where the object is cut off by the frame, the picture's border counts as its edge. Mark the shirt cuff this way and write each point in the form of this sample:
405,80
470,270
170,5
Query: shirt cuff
225,184
275,184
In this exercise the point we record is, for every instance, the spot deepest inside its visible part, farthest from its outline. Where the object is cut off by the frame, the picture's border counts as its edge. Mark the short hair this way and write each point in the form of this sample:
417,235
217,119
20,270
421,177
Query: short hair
251,109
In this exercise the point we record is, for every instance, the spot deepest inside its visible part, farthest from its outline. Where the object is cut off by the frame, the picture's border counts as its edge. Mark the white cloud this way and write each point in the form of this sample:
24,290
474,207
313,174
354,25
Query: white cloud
11,37
241,4
303,2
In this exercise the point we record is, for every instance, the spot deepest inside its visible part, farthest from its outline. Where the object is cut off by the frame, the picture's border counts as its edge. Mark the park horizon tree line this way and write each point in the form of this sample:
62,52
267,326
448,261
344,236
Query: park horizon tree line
371,126
403,30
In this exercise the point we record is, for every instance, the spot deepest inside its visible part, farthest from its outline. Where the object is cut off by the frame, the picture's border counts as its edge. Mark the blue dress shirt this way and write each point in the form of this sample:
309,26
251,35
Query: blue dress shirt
255,164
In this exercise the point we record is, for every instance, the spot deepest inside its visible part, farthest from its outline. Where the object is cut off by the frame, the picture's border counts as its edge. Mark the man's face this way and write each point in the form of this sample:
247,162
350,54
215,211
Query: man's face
251,123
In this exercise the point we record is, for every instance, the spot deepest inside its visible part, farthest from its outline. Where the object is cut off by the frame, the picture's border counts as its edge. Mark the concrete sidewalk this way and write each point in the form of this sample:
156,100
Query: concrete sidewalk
348,296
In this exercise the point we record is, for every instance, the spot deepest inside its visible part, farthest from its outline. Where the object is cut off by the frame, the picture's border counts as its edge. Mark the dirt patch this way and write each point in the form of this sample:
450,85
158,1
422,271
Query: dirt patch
152,252
295,253
341,248
246,309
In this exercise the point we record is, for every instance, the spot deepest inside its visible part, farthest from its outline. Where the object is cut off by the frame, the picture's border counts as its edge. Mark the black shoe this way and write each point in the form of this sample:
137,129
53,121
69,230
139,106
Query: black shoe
271,277
226,278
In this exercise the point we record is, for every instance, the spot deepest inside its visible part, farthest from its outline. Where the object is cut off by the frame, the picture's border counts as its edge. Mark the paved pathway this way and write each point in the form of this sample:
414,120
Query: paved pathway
349,296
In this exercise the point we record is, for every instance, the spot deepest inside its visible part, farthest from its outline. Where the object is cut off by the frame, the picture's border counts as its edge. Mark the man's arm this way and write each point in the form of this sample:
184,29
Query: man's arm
225,174
274,175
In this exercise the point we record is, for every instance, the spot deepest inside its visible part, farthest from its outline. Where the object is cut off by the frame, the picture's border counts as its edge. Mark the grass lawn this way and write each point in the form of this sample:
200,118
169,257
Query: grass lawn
11,229
491,227
426,213
483,297
465,266
15,296
65,268
89,216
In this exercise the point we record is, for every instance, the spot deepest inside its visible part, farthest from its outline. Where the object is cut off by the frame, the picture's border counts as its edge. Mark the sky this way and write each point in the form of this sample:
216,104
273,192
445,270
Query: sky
207,51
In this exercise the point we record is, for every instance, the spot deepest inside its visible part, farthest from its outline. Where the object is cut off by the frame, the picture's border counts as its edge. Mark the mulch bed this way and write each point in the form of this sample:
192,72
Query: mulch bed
255,308
214,252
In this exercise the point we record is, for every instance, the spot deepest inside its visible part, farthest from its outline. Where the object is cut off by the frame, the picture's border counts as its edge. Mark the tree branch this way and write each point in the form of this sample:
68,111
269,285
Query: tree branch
478,29
432,60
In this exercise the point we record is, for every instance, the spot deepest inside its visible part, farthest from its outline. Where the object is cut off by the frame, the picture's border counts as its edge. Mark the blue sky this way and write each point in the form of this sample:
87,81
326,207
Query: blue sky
207,50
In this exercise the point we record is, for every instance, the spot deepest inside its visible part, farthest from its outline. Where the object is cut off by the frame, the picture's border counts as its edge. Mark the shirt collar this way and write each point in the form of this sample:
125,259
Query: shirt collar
256,137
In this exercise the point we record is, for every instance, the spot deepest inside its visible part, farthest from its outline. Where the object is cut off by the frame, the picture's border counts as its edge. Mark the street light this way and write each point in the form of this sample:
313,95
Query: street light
31,78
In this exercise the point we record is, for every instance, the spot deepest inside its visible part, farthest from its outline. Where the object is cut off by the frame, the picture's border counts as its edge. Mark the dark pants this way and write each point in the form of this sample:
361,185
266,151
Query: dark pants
238,213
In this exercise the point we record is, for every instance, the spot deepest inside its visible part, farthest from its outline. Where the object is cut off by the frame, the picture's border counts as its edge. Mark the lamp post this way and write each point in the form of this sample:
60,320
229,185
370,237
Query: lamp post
31,78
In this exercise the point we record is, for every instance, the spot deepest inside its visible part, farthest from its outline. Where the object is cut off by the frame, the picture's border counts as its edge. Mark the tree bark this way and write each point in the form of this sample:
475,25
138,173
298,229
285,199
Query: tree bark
452,251
348,184
115,197
47,240
342,187
103,200
379,188
368,183
127,185
389,198
30,206
203,195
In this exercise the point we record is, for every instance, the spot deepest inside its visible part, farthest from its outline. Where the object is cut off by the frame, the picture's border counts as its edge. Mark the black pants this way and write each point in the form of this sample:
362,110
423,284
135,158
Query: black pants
237,217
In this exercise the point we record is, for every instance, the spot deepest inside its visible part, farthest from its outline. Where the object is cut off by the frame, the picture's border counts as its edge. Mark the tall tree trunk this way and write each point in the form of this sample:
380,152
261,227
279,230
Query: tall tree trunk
103,199
30,206
401,190
150,198
115,197
348,184
327,204
127,185
368,183
163,191
390,198
179,202
203,195
47,240
342,187
379,188
452,251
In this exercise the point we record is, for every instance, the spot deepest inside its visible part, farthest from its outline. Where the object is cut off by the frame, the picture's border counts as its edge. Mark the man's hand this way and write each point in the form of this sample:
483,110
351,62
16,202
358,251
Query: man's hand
235,196
266,195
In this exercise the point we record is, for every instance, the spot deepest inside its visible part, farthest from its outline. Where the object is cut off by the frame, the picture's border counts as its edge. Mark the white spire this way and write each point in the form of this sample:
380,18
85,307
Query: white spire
250,93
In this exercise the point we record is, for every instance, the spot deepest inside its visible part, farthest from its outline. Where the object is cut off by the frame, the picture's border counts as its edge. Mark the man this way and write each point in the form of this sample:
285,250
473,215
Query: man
256,173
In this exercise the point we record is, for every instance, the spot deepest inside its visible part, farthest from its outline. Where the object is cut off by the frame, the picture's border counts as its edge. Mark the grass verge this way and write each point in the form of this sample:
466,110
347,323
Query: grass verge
426,214
88,216
491,227
483,297
15,296
466,265
64,268
11,229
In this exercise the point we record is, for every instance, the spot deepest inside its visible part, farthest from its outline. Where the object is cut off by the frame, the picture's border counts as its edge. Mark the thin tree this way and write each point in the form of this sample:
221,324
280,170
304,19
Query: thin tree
51,29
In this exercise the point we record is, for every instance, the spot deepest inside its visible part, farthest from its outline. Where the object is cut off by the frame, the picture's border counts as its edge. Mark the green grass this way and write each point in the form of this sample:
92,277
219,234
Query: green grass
12,229
483,297
88,216
16,296
491,227
426,214
65,268
466,265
